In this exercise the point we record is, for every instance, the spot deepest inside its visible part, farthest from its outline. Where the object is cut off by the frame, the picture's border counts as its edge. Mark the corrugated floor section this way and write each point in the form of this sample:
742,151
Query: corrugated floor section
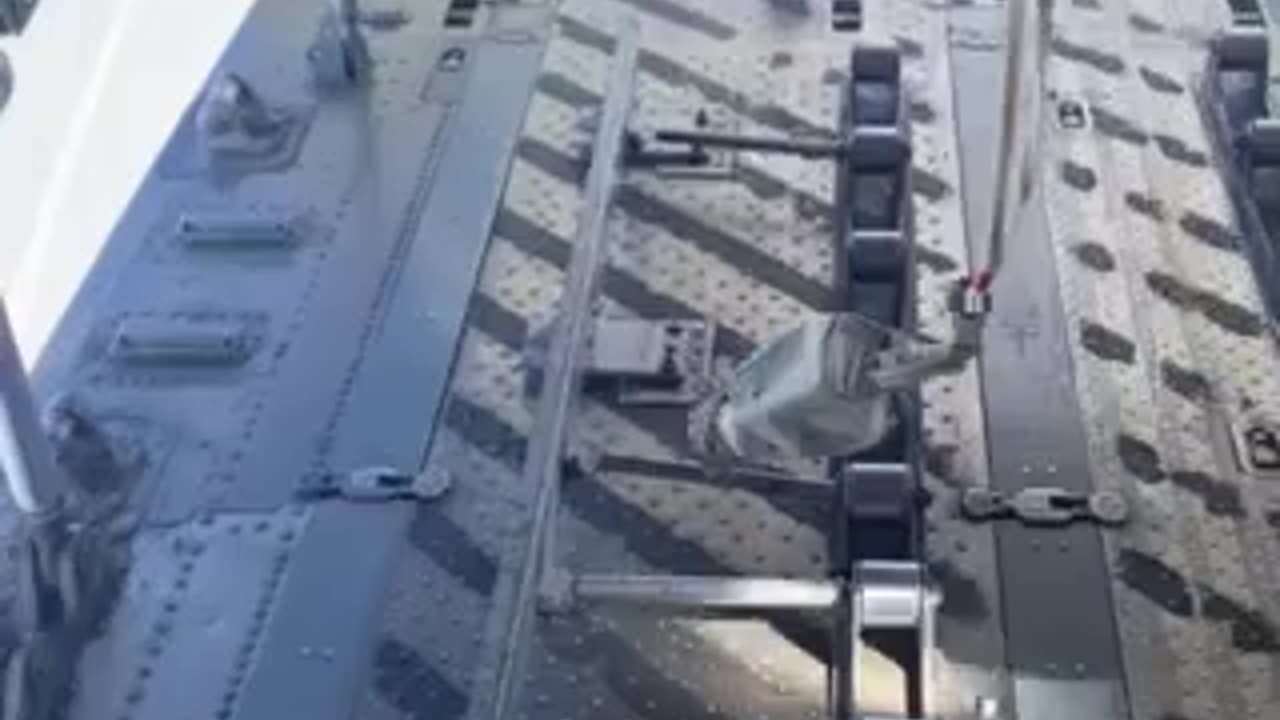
1170,352
751,253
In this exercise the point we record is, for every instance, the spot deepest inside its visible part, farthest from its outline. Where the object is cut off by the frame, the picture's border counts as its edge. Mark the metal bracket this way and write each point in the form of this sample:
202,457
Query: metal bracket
643,362
238,132
377,484
1048,506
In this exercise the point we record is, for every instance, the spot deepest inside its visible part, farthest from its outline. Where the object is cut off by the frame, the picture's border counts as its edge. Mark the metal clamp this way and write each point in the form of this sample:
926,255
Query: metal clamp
1044,506
376,484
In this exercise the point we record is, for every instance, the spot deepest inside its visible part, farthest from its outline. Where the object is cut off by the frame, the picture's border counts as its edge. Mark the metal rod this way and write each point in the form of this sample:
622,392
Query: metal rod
804,148
853,641
1019,123
720,593
562,374
841,672
927,637
36,484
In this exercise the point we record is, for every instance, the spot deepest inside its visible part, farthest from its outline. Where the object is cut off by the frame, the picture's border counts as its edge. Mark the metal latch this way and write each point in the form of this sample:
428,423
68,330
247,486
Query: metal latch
376,484
1044,506
1263,448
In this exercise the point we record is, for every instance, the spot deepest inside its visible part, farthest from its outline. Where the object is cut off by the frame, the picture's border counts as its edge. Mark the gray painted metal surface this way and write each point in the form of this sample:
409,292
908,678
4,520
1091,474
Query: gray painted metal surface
440,176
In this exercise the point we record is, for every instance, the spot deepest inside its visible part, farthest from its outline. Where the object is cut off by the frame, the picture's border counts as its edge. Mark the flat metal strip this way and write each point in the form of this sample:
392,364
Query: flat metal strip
648,207
1058,616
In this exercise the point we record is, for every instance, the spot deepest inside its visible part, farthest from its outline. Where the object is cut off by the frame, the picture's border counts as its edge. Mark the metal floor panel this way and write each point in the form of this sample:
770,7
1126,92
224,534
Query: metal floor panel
752,255
1194,574
374,348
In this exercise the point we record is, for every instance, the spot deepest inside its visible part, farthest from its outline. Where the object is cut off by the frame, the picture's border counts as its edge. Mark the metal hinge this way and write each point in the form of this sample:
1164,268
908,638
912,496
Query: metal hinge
1044,506
376,484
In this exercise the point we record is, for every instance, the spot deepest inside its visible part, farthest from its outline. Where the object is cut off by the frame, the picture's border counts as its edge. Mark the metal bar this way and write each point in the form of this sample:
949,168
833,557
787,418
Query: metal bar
719,593
562,376
927,636
36,484
803,148
1044,598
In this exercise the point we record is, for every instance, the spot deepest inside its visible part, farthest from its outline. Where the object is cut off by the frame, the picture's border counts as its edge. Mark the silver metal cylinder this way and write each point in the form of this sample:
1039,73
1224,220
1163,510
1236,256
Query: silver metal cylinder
35,483
724,593
891,594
